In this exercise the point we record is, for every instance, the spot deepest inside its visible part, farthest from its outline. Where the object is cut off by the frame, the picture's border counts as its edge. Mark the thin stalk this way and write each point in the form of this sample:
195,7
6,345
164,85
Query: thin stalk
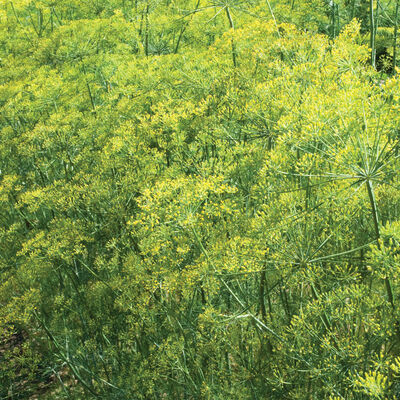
88,87
338,18
234,55
262,294
269,302
146,34
285,302
18,20
377,18
40,22
375,218
56,15
65,388
273,17
353,4
395,34
180,38
183,29
324,317
141,24
372,32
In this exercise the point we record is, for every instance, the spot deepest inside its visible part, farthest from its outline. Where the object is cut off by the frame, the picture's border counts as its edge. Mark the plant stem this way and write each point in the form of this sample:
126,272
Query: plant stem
146,33
261,294
234,55
395,34
372,32
353,4
372,200
183,29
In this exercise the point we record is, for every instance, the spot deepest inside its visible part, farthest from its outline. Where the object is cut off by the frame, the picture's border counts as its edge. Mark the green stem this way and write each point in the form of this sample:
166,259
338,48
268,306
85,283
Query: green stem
372,32
146,34
183,29
88,86
353,4
234,55
395,34
372,201
262,294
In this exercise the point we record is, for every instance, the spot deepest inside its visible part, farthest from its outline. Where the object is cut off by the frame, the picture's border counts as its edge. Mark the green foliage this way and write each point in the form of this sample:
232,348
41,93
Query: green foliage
199,200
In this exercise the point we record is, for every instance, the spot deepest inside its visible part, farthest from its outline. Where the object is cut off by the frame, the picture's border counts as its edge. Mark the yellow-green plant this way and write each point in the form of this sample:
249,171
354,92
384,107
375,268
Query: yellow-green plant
194,211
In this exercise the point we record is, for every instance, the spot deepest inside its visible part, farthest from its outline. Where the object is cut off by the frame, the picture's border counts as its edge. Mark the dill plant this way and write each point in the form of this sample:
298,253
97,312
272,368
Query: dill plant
194,211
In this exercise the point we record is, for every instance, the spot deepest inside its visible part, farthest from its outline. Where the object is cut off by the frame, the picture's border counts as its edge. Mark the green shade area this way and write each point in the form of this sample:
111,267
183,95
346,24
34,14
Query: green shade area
199,200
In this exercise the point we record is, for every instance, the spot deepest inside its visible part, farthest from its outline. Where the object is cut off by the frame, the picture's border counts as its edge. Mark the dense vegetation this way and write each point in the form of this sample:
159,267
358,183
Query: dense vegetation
199,199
